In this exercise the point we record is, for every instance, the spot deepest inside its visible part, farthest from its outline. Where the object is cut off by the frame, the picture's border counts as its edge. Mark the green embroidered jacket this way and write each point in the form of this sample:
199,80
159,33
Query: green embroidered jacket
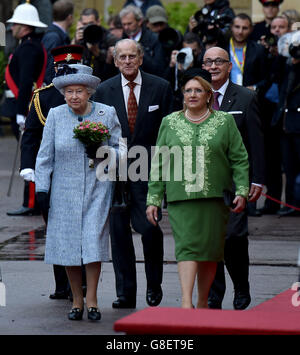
194,161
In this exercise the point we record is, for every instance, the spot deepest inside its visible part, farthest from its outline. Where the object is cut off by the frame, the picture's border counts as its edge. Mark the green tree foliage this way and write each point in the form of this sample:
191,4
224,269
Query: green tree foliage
179,14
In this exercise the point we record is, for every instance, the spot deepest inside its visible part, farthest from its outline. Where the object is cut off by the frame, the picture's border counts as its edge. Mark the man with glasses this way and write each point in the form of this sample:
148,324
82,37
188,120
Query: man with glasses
242,103
141,101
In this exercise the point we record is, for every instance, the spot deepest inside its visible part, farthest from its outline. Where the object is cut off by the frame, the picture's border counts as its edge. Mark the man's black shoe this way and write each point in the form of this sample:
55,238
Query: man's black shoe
286,211
154,296
59,296
123,302
24,211
241,300
214,303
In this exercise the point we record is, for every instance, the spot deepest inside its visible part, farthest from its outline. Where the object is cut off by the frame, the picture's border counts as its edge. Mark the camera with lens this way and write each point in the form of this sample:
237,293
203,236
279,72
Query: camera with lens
170,39
185,57
92,34
210,26
294,47
271,40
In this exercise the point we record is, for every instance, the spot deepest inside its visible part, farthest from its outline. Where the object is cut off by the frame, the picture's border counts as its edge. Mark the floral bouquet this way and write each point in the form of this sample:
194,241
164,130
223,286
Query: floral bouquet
91,134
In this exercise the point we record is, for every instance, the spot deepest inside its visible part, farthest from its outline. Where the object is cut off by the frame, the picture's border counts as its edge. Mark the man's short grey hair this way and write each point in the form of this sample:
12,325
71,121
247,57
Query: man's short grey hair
138,15
139,47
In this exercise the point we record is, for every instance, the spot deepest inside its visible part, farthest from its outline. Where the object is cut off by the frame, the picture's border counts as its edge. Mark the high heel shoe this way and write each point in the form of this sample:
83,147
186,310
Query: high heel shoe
75,314
94,313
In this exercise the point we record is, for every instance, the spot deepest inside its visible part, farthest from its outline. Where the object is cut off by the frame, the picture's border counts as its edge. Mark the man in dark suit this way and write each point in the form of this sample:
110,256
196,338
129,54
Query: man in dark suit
57,33
153,100
242,103
248,58
132,22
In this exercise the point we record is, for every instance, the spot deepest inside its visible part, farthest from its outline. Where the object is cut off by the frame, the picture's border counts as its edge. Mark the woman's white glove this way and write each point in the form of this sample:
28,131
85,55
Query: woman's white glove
27,174
21,121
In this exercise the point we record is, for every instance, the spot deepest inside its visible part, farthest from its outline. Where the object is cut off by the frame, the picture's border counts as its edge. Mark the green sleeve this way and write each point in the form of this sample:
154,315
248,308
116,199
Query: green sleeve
156,185
238,158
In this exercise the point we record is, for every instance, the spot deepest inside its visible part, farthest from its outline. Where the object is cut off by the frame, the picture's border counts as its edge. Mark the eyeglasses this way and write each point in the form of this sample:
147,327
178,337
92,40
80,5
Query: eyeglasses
123,57
218,62
190,91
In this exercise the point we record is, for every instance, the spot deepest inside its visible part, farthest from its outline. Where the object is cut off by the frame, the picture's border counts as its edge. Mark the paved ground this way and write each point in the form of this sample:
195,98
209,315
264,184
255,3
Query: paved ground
273,243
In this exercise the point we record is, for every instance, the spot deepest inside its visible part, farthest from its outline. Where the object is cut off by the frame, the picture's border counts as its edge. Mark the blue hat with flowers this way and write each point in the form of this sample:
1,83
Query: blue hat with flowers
75,74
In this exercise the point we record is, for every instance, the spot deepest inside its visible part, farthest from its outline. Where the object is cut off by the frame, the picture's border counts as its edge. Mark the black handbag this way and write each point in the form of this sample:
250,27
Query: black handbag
228,196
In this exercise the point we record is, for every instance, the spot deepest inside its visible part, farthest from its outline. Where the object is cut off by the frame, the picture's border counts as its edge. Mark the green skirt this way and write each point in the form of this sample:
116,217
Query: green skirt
199,228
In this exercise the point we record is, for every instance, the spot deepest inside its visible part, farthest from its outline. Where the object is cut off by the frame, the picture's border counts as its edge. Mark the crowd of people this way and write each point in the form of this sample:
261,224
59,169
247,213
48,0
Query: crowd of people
225,94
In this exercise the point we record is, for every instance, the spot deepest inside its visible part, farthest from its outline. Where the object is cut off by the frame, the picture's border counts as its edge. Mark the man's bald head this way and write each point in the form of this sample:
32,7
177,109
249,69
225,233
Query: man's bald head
216,52
216,61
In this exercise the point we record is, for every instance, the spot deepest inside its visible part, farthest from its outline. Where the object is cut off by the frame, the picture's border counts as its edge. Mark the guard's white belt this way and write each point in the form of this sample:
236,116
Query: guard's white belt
9,94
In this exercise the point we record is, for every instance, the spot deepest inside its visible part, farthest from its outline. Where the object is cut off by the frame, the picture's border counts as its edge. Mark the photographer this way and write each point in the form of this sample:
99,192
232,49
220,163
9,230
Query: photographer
213,14
96,40
287,120
190,55
269,98
170,38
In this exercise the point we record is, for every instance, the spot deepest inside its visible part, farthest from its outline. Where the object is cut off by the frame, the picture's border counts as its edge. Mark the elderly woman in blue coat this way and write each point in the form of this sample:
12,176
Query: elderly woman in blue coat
78,222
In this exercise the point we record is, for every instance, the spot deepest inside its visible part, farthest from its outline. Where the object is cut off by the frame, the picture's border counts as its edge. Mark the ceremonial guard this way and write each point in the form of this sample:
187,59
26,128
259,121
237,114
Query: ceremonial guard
43,100
24,72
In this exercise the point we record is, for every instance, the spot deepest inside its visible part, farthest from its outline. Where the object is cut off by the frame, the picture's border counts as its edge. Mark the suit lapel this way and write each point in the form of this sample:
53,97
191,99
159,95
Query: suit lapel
229,98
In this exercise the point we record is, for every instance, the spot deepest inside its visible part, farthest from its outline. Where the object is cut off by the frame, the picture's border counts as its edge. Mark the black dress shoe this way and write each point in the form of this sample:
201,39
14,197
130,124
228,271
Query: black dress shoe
241,300
24,211
154,296
75,314
123,302
94,313
59,296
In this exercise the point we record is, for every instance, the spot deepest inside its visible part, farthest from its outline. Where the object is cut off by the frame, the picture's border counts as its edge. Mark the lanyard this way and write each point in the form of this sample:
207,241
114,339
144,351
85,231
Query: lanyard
241,65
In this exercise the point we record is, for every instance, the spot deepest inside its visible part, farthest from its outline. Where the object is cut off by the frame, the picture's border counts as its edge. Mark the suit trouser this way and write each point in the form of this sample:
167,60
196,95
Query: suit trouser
123,254
236,257
290,145
273,155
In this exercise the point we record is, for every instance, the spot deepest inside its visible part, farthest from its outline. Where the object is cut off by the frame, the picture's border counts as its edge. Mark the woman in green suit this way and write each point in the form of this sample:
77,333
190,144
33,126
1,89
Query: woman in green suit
199,155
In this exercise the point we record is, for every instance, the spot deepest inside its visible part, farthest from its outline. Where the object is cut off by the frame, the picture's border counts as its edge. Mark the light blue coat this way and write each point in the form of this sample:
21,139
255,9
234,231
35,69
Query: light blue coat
78,225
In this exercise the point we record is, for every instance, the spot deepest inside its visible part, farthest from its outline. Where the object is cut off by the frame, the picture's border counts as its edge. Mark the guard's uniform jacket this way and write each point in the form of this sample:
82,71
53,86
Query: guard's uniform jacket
43,99
25,69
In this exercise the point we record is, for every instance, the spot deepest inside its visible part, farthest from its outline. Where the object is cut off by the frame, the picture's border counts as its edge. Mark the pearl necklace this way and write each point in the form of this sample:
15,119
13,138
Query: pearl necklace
196,119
